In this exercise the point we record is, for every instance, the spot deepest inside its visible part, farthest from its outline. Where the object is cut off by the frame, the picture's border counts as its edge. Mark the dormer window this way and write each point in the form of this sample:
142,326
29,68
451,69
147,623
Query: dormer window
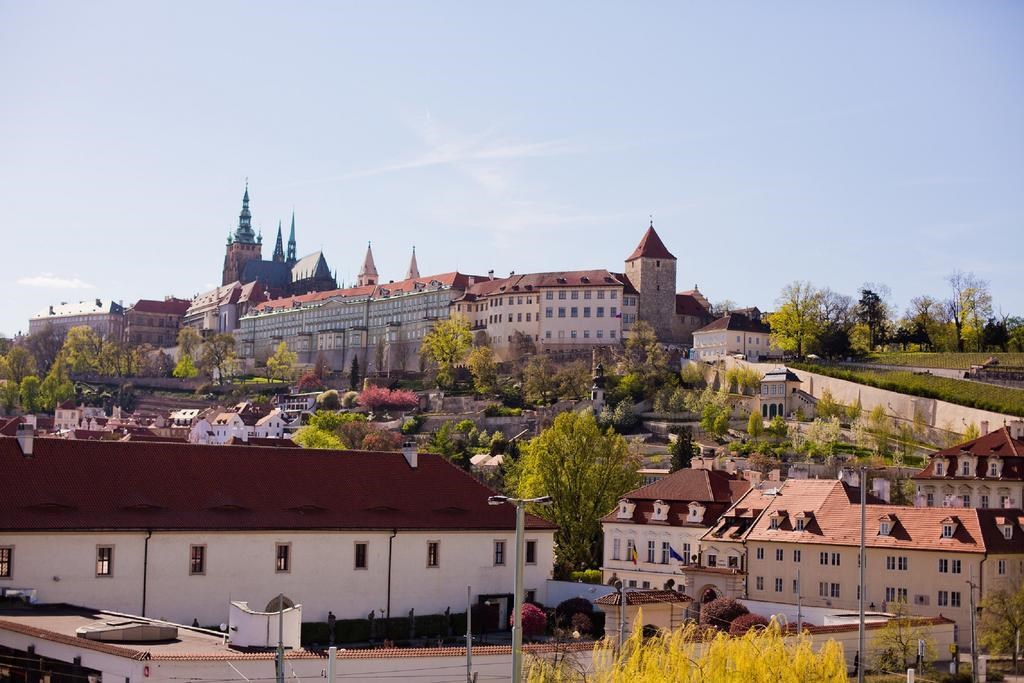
938,468
695,513
994,467
626,509
660,511
883,529
800,524
965,469
1007,531
947,531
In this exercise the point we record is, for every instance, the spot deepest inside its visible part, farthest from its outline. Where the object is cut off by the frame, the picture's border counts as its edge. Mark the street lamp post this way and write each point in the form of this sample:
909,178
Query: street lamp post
517,615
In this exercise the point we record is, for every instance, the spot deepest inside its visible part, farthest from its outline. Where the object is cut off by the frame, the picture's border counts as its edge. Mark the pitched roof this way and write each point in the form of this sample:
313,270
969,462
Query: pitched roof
999,443
168,306
837,522
686,485
453,280
688,304
650,246
310,266
91,306
735,322
780,375
134,485
527,282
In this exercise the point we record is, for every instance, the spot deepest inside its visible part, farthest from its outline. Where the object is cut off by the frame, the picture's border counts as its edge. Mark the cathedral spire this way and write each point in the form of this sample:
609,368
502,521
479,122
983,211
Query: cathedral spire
279,246
368,273
414,270
244,232
291,242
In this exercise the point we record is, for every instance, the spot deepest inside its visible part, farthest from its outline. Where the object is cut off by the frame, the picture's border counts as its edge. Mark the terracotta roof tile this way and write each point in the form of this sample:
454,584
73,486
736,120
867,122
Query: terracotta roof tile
643,597
735,322
651,246
236,487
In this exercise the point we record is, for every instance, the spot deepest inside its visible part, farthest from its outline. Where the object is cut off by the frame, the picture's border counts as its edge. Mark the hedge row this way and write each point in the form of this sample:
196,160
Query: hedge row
397,628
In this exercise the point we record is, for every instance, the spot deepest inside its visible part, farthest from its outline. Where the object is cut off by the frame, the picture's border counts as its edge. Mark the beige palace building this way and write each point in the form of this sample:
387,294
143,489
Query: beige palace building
805,542
987,472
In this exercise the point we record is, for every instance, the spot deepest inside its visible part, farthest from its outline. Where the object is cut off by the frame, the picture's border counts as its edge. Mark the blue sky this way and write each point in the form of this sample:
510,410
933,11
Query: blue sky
832,142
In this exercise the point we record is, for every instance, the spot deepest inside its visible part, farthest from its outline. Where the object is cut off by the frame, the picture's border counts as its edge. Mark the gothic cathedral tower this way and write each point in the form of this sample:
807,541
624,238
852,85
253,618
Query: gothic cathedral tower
652,270
243,246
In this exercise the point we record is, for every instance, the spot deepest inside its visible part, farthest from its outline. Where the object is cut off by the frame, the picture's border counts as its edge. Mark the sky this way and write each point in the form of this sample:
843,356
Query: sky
839,143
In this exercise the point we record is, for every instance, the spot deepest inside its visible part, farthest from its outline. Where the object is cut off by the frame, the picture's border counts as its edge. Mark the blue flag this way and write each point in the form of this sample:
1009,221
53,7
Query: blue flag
674,555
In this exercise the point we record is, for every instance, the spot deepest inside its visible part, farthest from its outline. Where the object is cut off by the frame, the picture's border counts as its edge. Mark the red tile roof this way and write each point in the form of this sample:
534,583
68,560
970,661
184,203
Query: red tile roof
714,489
169,306
526,282
453,279
688,304
837,522
736,322
999,443
651,246
77,485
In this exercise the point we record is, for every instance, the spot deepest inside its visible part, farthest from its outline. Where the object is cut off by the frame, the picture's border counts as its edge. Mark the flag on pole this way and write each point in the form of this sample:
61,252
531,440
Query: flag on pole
674,555
632,554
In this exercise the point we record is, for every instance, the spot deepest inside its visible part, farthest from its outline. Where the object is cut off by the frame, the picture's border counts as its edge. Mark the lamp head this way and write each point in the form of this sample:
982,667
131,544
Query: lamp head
497,500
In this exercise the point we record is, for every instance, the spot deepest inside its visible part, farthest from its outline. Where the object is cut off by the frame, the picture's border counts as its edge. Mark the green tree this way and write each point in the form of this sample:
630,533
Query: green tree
29,394
755,425
447,344
218,357
311,437
796,324
281,365
895,644
971,432
777,427
56,387
353,374
83,350
484,369
873,312
9,394
18,364
189,341
185,368
682,449
880,428
585,471
643,355
539,383
1002,621
573,380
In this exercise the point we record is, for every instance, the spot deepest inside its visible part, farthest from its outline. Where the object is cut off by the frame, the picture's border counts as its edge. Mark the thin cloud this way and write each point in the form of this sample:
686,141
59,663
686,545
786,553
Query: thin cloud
51,281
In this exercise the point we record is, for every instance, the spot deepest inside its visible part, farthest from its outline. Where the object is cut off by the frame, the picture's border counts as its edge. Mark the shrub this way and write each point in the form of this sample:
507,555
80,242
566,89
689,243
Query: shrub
464,426
381,398
567,609
328,400
349,398
412,424
721,612
498,410
586,576
535,622
581,622
309,382
745,622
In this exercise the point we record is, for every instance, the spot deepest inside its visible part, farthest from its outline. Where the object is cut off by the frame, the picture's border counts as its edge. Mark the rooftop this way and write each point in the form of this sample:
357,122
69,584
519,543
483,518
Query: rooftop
735,322
651,246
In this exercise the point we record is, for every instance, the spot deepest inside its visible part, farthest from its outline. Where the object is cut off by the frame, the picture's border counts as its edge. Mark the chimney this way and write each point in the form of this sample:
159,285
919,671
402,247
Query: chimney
1017,429
51,310
490,274
98,302
880,487
26,435
409,451
984,427
850,477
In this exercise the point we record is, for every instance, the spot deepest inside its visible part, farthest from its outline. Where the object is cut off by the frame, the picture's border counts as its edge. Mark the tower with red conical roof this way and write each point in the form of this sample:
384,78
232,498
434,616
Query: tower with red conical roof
651,268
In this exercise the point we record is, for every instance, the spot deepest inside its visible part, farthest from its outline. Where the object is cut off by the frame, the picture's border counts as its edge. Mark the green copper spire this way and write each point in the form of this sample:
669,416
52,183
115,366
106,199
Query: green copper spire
244,233
291,242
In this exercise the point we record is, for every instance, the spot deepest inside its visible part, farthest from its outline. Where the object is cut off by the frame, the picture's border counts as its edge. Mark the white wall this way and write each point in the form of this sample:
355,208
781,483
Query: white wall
241,566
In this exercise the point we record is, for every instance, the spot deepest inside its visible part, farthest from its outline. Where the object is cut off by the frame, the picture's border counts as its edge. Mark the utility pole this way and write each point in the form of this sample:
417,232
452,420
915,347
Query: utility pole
974,630
861,659
622,613
799,603
280,638
469,637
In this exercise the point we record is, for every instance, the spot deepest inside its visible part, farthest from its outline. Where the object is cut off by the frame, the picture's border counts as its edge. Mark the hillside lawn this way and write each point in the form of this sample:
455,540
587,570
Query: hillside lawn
952,361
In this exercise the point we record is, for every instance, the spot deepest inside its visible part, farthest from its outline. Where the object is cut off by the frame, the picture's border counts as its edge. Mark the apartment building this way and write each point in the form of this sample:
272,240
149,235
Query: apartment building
155,322
987,472
654,533
734,334
104,316
804,544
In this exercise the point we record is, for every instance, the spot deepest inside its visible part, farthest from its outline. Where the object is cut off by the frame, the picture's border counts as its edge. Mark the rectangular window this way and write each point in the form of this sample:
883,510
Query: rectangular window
197,559
575,294
966,499
531,552
561,312
823,558
600,311
712,560
796,586
954,598
613,311
760,553
901,594
586,334
574,312
529,317
433,553
823,589
890,562
105,560
600,294
956,566
835,559
616,546
284,559
930,500
548,295
664,552
796,555
686,553
778,585
834,590
902,563
943,566
547,334
499,553
586,311
6,562
361,560
549,312
890,594
734,562
561,295
650,551
779,552
984,501
759,582
943,599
